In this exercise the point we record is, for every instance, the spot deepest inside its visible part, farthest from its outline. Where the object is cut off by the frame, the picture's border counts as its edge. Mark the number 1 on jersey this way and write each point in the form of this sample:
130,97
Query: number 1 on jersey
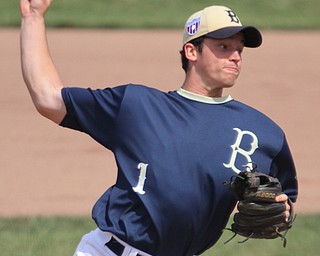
142,178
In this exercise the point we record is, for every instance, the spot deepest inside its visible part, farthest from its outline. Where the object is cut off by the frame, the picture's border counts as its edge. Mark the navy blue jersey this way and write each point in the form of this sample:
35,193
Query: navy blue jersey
174,151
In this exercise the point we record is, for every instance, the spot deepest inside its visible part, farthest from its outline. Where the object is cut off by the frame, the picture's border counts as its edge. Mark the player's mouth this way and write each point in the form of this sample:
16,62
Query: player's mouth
232,69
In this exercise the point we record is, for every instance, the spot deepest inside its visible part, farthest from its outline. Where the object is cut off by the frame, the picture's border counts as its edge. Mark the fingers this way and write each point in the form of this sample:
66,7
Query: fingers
281,198
287,212
24,7
284,198
29,7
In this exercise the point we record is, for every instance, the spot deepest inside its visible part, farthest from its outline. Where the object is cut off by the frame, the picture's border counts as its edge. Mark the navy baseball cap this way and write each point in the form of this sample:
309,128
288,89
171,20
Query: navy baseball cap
219,22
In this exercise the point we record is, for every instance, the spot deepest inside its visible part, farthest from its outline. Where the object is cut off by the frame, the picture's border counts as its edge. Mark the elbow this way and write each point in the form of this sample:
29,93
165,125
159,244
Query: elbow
48,102
52,111
43,110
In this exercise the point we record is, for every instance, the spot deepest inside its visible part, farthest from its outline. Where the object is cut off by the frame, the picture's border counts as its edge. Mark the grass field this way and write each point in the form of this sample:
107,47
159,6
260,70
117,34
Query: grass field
279,14
52,236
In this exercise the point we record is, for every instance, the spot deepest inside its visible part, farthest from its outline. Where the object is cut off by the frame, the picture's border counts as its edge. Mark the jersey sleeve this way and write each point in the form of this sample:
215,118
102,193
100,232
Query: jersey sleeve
93,112
284,169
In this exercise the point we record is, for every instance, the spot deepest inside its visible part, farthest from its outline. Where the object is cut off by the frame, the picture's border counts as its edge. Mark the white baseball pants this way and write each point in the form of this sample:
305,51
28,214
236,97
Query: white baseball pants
95,243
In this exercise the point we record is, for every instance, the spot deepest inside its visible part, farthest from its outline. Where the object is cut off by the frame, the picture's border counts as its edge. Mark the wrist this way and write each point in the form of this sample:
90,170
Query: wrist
32,18
32,24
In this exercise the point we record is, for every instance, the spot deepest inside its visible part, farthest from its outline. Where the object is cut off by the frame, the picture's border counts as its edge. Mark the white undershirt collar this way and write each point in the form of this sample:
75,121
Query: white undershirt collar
197,97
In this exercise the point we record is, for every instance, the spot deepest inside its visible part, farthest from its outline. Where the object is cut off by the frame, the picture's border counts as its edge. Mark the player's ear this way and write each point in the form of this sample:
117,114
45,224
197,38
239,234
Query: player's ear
190,52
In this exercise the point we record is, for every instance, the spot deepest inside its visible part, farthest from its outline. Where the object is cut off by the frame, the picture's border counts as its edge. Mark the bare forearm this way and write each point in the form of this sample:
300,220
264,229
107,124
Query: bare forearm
38,69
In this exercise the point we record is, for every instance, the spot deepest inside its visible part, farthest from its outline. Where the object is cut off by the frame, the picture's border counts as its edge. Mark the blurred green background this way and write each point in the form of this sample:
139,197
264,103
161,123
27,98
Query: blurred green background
266,14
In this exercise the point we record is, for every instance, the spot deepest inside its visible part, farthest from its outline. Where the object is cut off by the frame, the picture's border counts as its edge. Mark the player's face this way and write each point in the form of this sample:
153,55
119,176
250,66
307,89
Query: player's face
219,63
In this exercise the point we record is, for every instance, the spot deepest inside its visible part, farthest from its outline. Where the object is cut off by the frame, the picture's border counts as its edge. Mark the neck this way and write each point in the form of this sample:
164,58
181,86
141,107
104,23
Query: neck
201,89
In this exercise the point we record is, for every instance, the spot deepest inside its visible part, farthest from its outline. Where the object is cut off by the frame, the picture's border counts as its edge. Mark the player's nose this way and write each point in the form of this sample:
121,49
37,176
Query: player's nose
235,56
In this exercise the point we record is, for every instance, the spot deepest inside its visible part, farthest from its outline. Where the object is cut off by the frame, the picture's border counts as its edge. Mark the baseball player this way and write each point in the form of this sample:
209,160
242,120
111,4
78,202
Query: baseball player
173,150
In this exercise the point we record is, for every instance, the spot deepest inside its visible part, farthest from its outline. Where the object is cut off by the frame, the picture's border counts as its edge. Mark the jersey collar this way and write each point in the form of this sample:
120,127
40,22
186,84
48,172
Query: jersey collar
204,99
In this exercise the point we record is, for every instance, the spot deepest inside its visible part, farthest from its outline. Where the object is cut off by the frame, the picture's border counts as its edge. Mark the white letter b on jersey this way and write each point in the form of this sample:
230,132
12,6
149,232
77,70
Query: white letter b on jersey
236,149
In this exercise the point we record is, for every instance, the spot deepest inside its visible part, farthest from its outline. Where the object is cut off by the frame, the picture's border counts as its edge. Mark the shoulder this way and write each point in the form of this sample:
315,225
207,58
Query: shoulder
118,91
252,111
139,92
139,88
256,116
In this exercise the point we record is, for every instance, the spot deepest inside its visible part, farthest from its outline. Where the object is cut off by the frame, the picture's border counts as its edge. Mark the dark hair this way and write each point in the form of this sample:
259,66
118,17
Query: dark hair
198,43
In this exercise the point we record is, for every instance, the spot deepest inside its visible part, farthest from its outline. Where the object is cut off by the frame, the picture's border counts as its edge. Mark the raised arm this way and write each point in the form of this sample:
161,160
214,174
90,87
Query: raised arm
39,72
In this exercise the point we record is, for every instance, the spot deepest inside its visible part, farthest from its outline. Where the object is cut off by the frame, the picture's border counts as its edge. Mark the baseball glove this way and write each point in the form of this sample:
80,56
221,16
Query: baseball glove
258,216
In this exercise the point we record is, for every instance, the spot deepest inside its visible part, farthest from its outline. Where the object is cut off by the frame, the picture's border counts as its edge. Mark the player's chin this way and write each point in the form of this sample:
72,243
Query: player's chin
229,83
230,80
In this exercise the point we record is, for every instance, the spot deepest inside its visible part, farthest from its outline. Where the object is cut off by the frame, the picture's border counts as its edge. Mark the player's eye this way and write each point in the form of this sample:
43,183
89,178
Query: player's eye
223,46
